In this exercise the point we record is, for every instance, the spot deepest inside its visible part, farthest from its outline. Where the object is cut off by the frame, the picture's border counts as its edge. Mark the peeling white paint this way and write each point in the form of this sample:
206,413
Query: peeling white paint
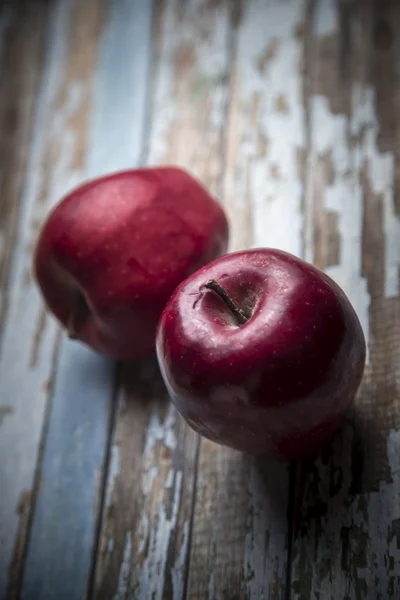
272,179
190,74
384,516
170,479
344,198
200,52
124,573
142,534
161,483
275,190
266,137
371,521
351,550
382,180
153,568
158,430
148,483
326,18
110,545
180,564
113,472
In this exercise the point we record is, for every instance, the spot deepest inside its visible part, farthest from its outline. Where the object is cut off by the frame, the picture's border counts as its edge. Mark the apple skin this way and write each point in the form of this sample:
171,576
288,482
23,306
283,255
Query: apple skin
123,243
278,384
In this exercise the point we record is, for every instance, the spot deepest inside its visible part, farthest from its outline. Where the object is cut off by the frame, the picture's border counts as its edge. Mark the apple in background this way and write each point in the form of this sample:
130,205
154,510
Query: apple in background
262,352
112,252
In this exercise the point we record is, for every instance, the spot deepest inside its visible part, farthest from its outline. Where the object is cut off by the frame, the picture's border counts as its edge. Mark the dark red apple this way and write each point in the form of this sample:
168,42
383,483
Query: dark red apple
262,352
112,251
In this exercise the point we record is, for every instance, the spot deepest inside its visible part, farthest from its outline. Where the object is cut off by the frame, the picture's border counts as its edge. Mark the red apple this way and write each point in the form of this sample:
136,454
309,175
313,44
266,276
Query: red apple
262,352
112,251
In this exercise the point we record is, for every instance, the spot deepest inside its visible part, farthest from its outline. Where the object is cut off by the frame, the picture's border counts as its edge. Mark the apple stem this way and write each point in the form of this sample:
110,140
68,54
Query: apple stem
78,313
238,312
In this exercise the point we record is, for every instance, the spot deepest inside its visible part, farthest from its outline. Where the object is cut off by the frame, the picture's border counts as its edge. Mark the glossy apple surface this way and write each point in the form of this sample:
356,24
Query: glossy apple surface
280,382
112,251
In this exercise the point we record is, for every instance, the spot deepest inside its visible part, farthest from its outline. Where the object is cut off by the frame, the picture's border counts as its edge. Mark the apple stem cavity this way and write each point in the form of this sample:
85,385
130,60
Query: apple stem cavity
79,313
238,312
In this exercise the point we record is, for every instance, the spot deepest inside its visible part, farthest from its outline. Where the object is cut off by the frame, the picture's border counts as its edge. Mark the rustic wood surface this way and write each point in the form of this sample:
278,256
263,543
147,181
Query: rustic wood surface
288,111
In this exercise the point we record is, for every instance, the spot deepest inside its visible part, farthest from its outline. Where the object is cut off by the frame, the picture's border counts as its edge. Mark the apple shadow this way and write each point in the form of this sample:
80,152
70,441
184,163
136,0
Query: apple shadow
143,390
327,486
141,383
271,479
304,496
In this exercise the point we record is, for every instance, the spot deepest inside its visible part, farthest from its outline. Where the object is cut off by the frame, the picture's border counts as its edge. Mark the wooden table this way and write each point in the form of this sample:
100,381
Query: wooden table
289,111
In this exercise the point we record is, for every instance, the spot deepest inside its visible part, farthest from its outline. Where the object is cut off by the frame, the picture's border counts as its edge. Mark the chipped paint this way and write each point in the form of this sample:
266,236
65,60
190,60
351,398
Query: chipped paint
239,548
187,129
150,574
37,338
243,124
346,541
113,472
268,106
180,565
326,19
96,139
382,175
343,197
153,568
124,574
159,429
336,557
189,96
276,192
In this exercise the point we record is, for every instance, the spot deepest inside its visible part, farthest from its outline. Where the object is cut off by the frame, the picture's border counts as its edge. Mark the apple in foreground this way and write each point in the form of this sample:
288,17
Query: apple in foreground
113,250
262,352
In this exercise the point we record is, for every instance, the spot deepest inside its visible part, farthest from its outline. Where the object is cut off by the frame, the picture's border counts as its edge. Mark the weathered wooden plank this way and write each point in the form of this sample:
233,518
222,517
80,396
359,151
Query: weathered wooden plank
21,51
61,540
64,526
239,540
56,163
120,106
143,542
22,34
145,536
346,530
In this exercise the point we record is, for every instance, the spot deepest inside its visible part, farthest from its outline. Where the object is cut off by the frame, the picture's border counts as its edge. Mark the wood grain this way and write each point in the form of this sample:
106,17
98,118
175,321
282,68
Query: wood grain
145,537
64,524
288,112
346,537
21,52
64,527
55,163
239,540
22,35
